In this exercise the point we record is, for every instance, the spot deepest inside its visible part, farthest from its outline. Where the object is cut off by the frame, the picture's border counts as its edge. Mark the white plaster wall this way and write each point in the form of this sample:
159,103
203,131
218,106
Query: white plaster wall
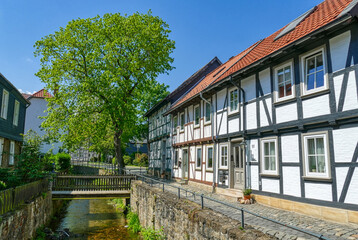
351,100
222,124
290,150
198,175
209,177
270,185
337,81
196,133
352,193
254,151
265,81
315,106
251,116
291,181
221,96
254,177
286,113
345,141
207,131
339,50
181,137
190,113
192,159
263,117
241,119
249,85
341,174
234,125
318,191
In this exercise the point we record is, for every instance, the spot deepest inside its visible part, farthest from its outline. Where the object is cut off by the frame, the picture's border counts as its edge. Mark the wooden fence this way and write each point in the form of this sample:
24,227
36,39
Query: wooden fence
92,183
14,197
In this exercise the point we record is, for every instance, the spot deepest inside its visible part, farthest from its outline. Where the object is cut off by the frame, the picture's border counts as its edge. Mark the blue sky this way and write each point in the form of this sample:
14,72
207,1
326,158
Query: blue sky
202,29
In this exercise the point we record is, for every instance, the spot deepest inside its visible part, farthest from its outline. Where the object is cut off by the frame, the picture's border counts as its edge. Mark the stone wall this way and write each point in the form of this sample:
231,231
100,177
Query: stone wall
183,219
23,222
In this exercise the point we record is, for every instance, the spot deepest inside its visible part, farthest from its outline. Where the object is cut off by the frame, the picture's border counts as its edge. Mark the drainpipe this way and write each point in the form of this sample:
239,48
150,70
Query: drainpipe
243,116
212,137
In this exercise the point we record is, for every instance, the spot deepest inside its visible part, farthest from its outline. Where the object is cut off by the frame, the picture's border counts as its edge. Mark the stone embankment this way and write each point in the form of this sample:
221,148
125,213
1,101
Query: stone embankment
183,219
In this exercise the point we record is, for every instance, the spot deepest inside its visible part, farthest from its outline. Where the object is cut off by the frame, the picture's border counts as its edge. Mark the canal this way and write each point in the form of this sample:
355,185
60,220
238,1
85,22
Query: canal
95,219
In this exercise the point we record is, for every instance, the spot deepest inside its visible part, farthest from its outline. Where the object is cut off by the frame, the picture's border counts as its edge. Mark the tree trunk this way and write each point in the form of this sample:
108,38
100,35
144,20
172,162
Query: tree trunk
119,154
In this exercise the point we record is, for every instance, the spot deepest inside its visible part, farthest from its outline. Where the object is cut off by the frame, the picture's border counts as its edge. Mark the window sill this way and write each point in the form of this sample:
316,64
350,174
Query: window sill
196,126
285,101
315,94
266,175
209,170
317,179
233,112
198,169
222,168
181,131
207,123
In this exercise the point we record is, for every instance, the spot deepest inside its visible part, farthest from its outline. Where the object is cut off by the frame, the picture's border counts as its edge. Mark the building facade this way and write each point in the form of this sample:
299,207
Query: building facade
12,122
160,125
281,117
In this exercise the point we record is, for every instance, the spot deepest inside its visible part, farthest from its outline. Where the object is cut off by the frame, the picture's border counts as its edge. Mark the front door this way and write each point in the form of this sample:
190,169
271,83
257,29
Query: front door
185,165
238,167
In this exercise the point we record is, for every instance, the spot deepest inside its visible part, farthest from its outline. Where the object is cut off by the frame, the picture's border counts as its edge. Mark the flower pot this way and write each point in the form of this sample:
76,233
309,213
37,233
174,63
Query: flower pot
247,197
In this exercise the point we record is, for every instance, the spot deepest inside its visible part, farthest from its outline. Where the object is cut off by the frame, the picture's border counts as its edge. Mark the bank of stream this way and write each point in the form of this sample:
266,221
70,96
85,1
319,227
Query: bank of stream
93,219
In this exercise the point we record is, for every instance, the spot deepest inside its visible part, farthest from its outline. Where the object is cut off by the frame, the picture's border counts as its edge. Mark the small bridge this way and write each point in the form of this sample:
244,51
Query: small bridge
91,187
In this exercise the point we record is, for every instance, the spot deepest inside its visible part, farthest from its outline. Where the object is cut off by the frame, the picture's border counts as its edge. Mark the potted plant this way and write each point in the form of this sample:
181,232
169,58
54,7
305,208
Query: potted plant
247,193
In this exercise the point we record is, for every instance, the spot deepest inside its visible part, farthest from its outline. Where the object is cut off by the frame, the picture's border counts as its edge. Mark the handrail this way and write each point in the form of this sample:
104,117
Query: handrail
319,236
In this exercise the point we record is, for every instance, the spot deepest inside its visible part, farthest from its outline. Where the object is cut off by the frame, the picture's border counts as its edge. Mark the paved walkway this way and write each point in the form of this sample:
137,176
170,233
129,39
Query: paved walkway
328,229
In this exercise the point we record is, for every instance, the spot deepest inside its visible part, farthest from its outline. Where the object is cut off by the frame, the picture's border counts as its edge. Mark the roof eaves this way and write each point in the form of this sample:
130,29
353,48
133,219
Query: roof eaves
28,102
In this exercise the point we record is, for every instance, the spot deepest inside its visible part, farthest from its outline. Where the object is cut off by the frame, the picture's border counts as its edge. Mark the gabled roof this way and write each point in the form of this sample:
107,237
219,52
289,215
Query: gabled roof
16,91
320,16
39,94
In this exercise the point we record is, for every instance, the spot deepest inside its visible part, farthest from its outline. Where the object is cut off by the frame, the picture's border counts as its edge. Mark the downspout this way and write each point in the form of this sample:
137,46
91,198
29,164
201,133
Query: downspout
213,138
243,116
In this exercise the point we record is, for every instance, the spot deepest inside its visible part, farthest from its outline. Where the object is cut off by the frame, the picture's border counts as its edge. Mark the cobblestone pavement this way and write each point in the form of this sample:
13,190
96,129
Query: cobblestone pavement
328,229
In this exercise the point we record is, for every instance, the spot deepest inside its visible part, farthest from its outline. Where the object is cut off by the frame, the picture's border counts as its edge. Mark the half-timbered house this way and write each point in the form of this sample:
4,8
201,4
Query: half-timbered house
280,118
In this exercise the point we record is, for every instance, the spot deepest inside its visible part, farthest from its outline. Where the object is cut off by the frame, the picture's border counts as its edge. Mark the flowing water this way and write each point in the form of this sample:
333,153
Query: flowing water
95,219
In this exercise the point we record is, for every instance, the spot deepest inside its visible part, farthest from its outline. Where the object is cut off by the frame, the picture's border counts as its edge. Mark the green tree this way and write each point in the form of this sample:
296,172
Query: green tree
103,72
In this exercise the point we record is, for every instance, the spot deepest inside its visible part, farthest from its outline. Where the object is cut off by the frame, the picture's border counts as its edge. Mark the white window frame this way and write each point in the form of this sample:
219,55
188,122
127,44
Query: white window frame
4,104
182,122
263,141
176,158
307,136
229,100
325,86
221,166
207,158
277,98
197,107
12,153
205,109
196,158
1,150
175,120
15,121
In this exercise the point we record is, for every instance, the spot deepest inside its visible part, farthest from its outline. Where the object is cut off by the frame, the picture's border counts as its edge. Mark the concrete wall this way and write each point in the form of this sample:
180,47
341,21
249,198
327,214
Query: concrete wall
182,219
22,223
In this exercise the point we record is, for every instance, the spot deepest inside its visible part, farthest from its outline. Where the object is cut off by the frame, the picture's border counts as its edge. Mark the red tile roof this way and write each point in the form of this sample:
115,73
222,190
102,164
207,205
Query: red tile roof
40,94
25,95
323,14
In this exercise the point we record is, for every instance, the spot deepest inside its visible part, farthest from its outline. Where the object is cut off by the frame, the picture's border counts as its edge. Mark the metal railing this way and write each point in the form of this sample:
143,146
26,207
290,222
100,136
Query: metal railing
180,191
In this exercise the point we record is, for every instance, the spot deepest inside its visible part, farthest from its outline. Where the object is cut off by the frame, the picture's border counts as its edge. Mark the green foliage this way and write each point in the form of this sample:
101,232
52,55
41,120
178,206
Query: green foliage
133,222
141,160
152,234
63,161
102,72
119,203
247,191
2,185
40,234
127,160
114,161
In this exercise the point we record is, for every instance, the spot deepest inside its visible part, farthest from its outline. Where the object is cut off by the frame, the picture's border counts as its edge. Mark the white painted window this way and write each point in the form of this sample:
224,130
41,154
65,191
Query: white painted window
223,156
207,112
1,149
175,123
233,101
316,155
269,158
16,113
4,104
182,119
197,115
198,158
209,158
314,69
12,153
284,82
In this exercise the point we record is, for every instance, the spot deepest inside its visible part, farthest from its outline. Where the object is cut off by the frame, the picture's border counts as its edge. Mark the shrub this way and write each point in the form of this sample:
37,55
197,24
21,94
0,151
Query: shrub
127,160
63,161
152,234
141,160
114,161
133,222
247,191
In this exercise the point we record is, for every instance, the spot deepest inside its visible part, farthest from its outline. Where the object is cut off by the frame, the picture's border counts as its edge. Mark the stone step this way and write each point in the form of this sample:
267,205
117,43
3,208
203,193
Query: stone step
231,194
183,182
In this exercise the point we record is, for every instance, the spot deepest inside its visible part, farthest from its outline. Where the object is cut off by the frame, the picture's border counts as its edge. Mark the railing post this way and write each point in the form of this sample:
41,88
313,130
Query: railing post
242,218
163,187
179,193
202,201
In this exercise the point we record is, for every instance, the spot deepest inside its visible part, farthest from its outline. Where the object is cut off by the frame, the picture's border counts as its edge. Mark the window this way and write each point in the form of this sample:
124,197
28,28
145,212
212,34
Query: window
16,113
197,115
223,156
316,156
182,119
284,82
313,72
176,155
269,156
209,158
198,158
1,149
4,104
175,124
234,100
207,112
12,153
